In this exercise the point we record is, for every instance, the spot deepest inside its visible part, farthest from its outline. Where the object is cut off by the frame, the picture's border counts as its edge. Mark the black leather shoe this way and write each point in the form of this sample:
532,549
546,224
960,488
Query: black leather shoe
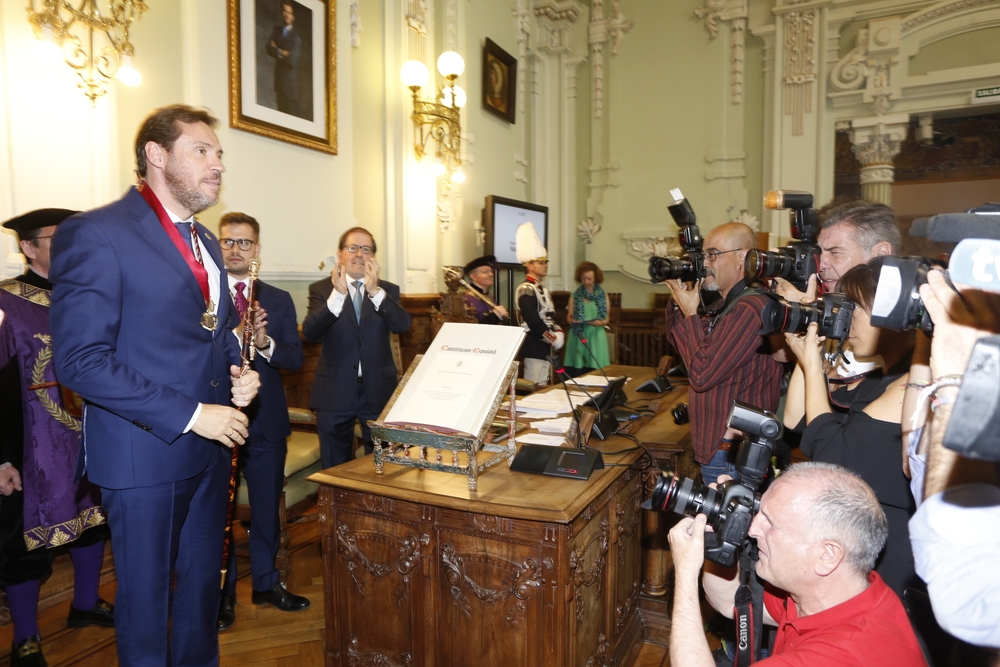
28,653
227,613
281,598
102,613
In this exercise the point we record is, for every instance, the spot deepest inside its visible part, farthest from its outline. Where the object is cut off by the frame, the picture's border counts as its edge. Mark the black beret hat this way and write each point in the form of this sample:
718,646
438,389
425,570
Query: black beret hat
485,260
43,217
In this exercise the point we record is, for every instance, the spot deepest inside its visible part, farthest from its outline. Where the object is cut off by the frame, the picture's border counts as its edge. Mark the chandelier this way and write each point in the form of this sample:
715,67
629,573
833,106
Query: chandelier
95,43
438,120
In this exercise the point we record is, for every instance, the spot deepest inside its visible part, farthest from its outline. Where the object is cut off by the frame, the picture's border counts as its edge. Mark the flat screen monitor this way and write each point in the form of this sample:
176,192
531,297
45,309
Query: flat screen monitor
501,219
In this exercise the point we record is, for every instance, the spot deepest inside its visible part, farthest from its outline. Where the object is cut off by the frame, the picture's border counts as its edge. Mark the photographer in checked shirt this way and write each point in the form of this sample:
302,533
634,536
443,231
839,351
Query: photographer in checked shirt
726,358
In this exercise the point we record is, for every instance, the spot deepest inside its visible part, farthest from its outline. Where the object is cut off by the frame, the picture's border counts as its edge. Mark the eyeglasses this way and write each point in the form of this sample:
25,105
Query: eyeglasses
712,255
244,244
365,249
39,238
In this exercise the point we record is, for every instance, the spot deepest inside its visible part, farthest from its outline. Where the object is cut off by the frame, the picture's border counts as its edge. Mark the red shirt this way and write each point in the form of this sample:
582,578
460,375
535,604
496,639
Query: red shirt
732,361
870,629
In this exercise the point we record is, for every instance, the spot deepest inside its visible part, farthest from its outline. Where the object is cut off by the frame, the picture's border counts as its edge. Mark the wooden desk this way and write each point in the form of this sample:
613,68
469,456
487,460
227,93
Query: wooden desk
668,443
527,571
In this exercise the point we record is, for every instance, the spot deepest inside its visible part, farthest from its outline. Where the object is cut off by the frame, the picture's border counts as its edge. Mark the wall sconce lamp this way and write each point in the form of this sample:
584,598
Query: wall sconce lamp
438,120
78,31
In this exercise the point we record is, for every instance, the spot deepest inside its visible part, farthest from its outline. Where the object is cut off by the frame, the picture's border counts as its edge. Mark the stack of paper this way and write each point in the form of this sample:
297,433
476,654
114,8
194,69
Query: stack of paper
560,425
541,439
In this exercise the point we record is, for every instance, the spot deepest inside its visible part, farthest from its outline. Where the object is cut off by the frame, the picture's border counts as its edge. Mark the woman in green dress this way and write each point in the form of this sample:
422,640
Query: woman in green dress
587,315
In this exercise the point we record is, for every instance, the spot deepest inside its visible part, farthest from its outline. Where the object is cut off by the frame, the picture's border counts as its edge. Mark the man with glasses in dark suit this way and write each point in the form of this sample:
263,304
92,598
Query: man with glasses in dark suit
352,314
262,458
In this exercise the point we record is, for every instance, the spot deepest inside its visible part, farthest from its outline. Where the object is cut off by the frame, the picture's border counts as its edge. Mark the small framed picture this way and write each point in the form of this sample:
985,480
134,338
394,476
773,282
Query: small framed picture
283,70
499,81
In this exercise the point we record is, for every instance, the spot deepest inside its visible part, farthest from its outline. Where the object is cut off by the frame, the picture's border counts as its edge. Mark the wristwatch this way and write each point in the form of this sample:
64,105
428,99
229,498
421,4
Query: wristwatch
266,345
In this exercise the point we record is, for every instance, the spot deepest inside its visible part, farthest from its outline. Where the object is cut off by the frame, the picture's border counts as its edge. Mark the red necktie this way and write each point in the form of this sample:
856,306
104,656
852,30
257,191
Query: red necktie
241,301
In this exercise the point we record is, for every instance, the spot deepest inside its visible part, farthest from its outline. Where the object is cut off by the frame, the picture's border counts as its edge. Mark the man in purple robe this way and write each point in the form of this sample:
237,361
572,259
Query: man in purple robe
42,506
481,273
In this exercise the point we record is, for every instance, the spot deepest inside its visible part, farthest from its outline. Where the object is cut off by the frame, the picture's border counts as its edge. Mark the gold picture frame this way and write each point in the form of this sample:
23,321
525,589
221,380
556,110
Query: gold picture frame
283,70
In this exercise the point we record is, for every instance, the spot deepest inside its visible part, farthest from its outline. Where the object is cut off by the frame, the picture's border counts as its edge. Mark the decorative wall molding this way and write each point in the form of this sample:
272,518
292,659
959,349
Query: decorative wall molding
604,176
355,13
587,230
522,30
876,142
942,9
559,10
723,166
739,27
450,25
876,146
799,70
417,12
851,71
602,30
714,11
734,11
445,212
876,71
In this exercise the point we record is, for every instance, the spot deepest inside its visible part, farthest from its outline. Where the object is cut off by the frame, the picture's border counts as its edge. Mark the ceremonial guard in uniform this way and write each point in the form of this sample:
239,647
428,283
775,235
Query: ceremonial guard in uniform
536,313
39,446
481,273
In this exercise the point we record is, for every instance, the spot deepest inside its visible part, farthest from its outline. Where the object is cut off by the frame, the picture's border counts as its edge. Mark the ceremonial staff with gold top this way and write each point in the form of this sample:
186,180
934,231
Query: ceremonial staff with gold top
270,345
247,353
481,274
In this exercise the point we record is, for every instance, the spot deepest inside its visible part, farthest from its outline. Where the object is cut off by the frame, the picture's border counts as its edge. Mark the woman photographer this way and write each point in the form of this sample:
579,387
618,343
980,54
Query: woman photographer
856,422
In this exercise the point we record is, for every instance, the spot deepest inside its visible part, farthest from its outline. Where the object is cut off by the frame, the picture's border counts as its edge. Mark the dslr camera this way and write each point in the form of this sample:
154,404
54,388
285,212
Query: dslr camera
832,312
731,507
692,265
799,259
897,304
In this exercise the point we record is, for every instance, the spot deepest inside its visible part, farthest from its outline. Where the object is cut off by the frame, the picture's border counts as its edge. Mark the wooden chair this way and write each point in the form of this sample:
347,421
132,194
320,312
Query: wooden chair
302,460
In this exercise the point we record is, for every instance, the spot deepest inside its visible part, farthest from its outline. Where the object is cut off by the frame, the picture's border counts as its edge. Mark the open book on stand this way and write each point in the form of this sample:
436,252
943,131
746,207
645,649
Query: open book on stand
440,415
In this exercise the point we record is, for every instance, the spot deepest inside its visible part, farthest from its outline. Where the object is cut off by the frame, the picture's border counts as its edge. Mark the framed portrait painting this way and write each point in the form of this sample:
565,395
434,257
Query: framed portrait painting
283,70
499,81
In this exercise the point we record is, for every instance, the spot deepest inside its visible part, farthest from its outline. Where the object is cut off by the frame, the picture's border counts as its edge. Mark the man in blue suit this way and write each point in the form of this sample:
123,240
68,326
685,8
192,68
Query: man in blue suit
352,313
262,458
143,329
285,46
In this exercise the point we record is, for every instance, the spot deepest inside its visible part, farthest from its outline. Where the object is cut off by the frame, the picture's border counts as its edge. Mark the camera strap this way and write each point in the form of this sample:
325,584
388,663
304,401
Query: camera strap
749,608
746,291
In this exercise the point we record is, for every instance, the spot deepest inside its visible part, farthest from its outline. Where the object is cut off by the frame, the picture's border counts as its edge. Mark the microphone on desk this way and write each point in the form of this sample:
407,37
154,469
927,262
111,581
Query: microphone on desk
605,424
657,385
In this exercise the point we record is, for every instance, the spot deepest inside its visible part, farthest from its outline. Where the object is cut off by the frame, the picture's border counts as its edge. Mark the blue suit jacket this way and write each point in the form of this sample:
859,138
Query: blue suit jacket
269,411
126,332
346,343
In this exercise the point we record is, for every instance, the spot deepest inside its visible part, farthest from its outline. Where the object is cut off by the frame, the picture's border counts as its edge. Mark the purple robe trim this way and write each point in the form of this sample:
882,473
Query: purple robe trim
56,510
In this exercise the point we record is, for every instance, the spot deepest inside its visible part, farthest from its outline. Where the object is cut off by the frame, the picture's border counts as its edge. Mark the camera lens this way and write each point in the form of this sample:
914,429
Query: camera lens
667,268
680,414
761,264
832,312
682,496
